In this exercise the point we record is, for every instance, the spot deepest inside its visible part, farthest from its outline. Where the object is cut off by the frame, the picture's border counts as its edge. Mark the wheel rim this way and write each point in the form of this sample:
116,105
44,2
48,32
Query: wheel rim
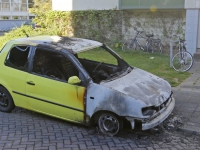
182,61
109,124
3,99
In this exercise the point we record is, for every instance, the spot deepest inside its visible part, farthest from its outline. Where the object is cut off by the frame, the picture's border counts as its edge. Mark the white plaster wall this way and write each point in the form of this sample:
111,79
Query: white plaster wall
68,5
198,39
191,33
192,4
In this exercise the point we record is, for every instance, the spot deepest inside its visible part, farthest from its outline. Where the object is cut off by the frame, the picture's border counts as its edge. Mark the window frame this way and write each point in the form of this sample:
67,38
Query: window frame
58,52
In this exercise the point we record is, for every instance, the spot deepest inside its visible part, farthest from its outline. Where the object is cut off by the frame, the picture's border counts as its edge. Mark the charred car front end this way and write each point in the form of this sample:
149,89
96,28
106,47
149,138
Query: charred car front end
140,97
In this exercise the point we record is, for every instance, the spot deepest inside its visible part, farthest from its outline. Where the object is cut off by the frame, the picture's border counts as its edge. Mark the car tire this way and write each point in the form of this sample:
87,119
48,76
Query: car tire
109,124
6,101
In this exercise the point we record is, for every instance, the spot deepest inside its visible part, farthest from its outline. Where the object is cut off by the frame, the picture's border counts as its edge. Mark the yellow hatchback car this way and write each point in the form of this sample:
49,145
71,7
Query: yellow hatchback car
67,78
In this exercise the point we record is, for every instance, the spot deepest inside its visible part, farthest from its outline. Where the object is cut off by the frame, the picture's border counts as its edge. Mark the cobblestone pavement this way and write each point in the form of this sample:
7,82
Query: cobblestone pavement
26,130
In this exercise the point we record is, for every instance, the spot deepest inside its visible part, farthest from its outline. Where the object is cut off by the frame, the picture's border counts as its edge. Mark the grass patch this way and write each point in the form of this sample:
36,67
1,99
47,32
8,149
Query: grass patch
157,64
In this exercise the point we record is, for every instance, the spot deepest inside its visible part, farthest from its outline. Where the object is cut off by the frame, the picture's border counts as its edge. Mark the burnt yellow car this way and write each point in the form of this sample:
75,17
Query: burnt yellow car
65,78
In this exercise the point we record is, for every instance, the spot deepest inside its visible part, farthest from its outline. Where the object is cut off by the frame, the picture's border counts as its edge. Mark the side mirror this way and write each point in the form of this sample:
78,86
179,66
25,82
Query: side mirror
74,80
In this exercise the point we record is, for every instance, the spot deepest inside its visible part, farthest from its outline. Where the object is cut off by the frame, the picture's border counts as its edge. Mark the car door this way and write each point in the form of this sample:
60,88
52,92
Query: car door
47,88
14,73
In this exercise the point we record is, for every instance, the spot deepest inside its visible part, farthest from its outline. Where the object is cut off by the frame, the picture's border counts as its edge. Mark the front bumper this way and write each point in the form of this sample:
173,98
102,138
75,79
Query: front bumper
160,118
157,118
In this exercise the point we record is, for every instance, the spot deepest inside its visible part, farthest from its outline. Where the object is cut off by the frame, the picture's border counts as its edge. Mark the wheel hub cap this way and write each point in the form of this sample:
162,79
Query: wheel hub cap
109,123
3,100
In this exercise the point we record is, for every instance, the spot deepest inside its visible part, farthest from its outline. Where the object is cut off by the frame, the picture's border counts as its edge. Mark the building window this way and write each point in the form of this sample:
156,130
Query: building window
15,17
24,7
15,5
19,5
5,5
5,17
23,17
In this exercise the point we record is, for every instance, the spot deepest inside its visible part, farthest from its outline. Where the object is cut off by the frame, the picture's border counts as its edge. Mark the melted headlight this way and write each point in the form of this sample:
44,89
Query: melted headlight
148,111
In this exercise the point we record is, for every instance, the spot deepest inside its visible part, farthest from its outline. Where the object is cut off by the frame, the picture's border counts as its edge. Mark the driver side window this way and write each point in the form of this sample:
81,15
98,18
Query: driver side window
53,65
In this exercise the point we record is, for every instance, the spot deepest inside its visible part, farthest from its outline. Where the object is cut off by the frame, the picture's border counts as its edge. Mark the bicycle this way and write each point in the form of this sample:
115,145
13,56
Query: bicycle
183,60
133,42
151,44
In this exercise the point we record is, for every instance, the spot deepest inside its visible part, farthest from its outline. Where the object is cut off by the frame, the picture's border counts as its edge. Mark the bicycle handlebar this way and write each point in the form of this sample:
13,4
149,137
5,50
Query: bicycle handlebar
179,40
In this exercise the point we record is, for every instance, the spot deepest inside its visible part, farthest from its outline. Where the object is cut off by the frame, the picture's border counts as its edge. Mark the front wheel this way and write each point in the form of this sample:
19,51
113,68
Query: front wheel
6,101
129,45
109,124
182,61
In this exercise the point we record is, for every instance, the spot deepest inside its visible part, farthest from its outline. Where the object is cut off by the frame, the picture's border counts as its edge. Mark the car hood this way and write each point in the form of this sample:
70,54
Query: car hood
142,86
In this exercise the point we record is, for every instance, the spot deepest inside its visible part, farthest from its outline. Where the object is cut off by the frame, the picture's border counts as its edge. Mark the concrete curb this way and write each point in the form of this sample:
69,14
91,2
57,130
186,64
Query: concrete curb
190,129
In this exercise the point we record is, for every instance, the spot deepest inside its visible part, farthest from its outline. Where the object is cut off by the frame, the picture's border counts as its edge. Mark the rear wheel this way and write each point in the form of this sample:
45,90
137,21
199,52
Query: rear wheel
6,101
160,47
182,61
149,47
157,46
129,45
135,44
109,124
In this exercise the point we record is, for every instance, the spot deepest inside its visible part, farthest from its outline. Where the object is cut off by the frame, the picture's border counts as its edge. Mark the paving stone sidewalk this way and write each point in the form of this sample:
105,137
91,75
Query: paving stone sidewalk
187,97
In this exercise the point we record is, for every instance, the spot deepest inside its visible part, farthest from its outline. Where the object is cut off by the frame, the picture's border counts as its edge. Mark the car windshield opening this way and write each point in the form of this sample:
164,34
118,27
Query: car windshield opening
102,64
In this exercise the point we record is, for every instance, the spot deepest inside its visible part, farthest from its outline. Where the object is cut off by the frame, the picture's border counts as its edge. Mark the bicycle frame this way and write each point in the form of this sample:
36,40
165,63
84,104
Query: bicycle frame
182,49
136,39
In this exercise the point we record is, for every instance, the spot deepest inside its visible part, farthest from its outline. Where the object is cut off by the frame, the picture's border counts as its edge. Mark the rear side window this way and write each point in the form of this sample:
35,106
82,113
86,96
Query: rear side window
18,58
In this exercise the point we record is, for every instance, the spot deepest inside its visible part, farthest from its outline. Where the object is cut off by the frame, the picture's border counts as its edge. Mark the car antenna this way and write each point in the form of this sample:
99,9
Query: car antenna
25,33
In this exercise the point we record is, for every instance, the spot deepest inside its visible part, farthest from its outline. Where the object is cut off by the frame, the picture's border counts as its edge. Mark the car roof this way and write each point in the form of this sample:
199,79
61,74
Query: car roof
75,45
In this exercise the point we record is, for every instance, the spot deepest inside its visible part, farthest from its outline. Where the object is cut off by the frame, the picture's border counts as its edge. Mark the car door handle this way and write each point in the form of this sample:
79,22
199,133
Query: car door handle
30,82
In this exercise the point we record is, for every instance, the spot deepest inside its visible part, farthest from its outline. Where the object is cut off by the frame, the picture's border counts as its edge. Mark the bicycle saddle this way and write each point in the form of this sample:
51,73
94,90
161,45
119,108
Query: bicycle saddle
181,40
149,35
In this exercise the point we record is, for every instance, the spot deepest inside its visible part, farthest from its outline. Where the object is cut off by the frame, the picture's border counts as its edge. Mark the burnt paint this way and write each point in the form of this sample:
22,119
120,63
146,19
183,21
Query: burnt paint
142,86
126,96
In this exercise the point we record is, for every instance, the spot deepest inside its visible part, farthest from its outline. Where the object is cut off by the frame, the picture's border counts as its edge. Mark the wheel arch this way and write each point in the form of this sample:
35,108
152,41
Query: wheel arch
1,85
95,116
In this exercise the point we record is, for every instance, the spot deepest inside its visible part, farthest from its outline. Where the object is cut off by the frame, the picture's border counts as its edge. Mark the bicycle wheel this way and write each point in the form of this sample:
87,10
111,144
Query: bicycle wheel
128,45
182,61
149,47
135,44
157,46
160,47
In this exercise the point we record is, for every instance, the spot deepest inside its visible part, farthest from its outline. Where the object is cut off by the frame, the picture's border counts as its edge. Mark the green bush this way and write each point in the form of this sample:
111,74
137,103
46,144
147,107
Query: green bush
103,26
